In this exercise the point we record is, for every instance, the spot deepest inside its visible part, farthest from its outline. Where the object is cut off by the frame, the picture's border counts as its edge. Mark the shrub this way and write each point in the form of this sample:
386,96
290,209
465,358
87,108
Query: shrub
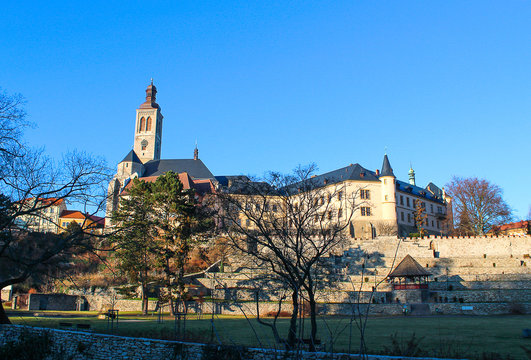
215,352
29,346
281,314
516,308
401,347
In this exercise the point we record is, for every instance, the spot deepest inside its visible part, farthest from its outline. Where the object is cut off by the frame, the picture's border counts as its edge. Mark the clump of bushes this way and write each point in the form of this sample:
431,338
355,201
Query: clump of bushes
29,346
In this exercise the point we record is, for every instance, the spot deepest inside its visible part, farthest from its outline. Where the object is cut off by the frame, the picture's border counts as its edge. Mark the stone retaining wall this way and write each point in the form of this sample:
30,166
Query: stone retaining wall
84,345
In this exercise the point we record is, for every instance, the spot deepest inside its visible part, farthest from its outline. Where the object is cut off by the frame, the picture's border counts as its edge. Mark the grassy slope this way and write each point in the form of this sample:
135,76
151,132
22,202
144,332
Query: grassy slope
467,335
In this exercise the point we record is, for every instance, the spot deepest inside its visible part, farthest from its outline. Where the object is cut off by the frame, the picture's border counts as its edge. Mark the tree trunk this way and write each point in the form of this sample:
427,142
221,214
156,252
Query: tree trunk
313,320
145,300
292,334
3,316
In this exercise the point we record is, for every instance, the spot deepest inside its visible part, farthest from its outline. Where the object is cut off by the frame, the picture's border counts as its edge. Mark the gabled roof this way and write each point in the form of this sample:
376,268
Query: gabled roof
408,267
434,189
416,190
201,186
387,170
351,172
131,156
195,168
76,214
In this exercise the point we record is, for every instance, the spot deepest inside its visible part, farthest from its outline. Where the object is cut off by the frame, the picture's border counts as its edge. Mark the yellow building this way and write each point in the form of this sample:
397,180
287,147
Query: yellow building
87,222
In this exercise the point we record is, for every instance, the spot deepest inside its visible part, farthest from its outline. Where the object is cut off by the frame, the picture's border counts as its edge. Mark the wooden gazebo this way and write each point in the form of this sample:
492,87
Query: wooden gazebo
409,274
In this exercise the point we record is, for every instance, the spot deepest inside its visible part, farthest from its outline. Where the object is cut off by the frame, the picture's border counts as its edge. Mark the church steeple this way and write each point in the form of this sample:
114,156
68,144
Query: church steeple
196,152
151,97
148,127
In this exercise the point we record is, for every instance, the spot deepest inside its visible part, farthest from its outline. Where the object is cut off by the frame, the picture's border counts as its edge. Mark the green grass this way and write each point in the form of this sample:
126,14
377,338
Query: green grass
447,336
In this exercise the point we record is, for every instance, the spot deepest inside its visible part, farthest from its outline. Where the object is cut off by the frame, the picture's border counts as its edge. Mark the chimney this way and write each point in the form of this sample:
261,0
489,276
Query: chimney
377,172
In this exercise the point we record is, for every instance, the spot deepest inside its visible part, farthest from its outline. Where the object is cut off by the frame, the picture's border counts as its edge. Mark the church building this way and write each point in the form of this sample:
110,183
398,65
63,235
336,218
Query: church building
387,200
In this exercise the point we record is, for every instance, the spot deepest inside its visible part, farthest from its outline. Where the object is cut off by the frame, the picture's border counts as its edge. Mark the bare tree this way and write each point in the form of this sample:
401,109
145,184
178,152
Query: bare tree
287,224
30,184
478,205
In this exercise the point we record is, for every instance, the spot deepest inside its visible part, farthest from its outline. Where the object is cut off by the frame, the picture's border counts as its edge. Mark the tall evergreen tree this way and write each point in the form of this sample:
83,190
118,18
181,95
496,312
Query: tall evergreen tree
135,241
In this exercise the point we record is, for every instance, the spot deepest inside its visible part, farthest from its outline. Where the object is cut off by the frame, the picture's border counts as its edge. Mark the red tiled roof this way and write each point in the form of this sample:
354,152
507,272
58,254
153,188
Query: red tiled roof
201,186
46,201
524,224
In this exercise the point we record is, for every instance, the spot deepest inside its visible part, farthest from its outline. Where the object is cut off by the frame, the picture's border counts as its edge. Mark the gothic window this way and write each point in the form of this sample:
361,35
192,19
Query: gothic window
148,124
142,124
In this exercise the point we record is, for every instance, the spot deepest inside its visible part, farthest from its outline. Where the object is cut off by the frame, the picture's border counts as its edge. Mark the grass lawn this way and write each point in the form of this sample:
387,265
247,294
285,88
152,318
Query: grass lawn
445,336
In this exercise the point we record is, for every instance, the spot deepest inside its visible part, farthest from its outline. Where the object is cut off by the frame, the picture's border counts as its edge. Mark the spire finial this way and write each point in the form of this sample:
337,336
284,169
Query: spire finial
196,151
385,150
151,81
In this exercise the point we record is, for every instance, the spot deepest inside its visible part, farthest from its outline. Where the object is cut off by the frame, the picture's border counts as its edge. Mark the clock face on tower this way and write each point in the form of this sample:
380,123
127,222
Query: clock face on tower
144,144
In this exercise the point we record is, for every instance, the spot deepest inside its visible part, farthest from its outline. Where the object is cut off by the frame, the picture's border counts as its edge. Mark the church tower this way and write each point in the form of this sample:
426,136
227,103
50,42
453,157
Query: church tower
148,127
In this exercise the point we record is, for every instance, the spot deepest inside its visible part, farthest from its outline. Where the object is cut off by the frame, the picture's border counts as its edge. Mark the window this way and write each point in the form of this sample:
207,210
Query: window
329,198
141,124
322,200
423,205
274,208
340,195
365,194
385,181
432,224
148,124
408,217
365,211
386,197
340,213
438,224
431,208
407,200
439,209
65,224
330,215
401,200
144,144
402,216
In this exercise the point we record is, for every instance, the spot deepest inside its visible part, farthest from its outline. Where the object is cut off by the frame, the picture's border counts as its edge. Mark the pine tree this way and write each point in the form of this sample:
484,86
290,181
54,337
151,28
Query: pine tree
135,240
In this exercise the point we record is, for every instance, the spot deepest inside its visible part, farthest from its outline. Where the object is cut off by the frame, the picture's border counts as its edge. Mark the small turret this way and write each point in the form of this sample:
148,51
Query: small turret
196,152
411,175
388,186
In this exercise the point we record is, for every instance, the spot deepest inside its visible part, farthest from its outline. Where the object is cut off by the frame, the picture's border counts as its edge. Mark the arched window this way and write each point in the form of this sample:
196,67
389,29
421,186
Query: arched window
142,124
148,124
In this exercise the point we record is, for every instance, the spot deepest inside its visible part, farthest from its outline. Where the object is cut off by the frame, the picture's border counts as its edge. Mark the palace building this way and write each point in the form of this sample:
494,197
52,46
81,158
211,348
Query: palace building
389,204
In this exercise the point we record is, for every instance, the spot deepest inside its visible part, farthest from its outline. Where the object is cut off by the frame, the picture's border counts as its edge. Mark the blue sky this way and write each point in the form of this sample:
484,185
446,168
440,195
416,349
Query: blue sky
268,85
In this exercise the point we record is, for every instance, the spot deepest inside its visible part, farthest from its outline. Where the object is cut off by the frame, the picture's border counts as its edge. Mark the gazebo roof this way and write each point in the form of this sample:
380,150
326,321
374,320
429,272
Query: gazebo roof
409,267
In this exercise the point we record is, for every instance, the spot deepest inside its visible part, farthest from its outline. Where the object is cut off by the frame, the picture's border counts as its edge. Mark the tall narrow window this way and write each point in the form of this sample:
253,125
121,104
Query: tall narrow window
142,124
148,124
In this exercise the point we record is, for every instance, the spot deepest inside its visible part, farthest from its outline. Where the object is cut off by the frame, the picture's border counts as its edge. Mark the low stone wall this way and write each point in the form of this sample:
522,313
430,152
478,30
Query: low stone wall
83,345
